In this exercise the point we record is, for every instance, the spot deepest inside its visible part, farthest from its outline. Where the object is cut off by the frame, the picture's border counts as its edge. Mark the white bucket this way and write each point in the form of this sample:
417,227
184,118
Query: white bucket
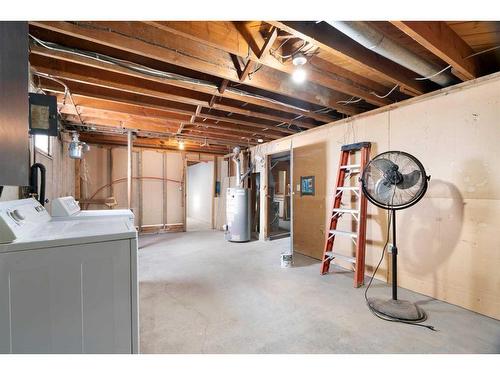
286,260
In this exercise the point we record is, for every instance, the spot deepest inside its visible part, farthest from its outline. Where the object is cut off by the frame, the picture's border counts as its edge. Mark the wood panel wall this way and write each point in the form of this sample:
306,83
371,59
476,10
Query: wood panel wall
447,243
309,227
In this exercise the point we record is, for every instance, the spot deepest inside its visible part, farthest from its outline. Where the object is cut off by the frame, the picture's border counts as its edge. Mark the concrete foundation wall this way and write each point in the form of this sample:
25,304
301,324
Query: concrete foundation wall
447,243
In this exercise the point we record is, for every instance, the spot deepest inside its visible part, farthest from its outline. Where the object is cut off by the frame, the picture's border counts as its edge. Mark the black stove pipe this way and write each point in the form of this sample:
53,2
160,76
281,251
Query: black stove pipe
40,196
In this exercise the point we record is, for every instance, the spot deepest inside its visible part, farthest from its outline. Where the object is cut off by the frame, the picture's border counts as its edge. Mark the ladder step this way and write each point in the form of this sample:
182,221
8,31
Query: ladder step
352,188
344,233
346,210
351,166
346,258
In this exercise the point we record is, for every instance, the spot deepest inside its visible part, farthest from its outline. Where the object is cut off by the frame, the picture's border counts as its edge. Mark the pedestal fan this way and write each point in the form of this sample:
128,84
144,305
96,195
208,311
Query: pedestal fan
394,180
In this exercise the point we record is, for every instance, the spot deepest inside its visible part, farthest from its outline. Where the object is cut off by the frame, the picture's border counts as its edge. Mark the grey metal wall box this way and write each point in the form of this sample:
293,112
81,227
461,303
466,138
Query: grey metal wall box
14,113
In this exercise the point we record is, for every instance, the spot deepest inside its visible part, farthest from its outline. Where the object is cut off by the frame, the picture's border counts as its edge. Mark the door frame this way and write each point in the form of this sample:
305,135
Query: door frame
265,212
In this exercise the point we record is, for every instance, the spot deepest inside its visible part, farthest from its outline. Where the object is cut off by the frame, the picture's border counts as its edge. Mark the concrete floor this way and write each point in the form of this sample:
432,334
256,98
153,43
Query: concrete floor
201,294
196,225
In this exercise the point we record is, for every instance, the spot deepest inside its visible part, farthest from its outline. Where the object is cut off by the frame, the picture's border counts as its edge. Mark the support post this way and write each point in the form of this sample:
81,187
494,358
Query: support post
140,182
129,169
78,194
109,162
394,252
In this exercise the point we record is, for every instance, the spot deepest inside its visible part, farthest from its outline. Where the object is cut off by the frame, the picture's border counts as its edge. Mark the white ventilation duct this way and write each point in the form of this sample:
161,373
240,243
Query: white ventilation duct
374,40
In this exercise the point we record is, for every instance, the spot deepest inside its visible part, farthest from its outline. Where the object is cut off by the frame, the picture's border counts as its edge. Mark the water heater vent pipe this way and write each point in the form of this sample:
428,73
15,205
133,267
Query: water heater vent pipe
238,159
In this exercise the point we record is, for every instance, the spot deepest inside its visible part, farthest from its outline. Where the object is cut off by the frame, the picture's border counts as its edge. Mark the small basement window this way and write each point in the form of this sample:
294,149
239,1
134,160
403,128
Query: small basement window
43,144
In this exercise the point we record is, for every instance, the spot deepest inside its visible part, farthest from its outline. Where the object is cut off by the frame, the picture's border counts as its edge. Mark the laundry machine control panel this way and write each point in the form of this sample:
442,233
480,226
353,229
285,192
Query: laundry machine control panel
65,206
19,218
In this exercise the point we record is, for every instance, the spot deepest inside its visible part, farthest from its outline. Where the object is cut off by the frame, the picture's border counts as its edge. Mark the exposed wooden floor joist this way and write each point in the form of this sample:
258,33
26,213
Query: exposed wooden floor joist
231,82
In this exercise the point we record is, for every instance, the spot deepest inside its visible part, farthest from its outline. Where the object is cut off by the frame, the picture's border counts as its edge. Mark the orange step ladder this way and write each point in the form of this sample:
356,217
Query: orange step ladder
345,172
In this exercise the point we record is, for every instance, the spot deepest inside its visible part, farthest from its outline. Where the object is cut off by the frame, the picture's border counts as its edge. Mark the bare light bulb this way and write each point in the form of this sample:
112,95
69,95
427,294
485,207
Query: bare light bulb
299,59
299,75
181,145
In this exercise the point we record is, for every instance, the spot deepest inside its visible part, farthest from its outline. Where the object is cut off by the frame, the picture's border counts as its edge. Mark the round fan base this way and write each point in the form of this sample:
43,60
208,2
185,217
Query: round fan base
397,310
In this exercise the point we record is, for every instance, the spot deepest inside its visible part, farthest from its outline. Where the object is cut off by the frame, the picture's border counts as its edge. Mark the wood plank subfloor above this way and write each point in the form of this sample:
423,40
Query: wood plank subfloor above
201,294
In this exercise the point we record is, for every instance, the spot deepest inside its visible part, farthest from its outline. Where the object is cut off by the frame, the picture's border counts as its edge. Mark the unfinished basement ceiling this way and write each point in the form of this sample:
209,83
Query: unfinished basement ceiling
215,85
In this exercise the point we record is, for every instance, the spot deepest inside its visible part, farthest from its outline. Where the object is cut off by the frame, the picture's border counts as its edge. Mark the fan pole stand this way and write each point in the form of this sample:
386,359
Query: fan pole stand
395,309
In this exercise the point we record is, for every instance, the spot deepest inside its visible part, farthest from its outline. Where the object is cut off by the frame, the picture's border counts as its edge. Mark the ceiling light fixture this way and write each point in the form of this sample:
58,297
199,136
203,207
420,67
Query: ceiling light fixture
260,140
180,144
299,75
299,59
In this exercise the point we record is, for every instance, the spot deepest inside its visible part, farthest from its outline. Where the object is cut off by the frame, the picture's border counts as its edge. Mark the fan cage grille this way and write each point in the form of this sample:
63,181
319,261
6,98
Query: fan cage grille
389,196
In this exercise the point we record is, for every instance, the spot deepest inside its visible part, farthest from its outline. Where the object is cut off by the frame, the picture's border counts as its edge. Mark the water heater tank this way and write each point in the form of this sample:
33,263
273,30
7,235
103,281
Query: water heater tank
238,214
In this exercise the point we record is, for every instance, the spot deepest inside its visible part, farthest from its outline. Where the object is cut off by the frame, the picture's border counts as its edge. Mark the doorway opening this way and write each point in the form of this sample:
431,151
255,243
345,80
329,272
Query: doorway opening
278,196
200,195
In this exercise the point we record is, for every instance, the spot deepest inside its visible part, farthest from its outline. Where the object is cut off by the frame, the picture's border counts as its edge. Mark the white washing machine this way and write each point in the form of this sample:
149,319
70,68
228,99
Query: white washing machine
67,208
66,286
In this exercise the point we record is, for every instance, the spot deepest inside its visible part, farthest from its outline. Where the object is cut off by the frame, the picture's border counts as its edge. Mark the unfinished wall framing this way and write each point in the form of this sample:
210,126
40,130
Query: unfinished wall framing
448,243
158,178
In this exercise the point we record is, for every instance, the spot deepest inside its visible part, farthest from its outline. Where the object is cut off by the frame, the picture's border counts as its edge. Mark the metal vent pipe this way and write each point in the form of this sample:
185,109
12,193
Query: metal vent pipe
374,40
237,162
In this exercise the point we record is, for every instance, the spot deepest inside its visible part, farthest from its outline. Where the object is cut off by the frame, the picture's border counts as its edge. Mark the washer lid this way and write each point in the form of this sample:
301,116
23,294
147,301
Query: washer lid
92,214
72,232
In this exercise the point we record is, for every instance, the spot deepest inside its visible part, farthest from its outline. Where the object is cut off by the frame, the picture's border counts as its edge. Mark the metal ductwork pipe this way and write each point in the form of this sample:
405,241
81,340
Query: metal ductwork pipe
237,162
238,159
374,40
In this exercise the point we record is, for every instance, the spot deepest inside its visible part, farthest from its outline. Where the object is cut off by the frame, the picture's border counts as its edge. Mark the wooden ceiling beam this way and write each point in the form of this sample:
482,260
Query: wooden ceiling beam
103,119
81,92
148,143
159,134
244,41
230,135
232,120
117,82
338,44
154,113
118,116
127,108
157,93
320,61
148,41
268,43
264,116
215,91
263,135
85,74
97,118
441,40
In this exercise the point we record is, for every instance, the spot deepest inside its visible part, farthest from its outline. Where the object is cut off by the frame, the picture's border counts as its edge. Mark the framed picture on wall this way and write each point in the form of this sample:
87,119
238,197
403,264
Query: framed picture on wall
306,185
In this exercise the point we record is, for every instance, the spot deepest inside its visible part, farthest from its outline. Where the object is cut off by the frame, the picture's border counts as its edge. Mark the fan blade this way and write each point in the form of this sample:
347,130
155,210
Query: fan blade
384,191
384,165
409,179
